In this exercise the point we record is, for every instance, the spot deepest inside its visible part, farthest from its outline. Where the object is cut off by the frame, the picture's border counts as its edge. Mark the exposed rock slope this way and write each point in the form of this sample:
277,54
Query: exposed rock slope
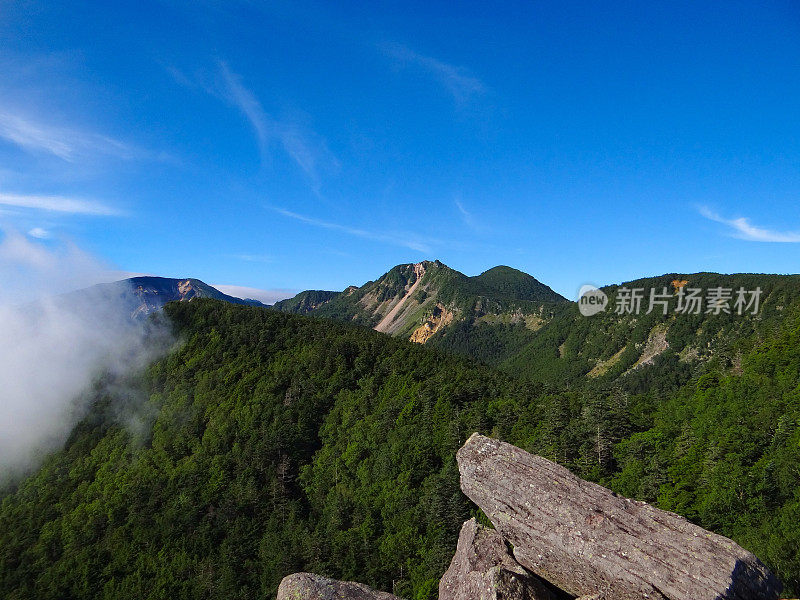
408,300
387,324
440,317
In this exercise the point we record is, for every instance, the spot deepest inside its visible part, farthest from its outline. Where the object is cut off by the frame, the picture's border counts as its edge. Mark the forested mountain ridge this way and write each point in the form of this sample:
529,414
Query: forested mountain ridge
275,443
508,319
305,302
639,349
220,496
415,301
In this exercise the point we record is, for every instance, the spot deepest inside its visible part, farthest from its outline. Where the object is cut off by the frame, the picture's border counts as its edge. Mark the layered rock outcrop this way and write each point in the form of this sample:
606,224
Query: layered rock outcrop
587,540
571,539
483,568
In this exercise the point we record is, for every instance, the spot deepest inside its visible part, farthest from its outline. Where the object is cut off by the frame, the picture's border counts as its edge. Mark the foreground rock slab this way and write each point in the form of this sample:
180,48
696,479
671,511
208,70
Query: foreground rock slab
307,586
588,541
484,569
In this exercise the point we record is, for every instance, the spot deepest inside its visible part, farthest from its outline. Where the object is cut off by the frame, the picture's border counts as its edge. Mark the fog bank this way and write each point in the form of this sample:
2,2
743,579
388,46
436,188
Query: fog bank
53,347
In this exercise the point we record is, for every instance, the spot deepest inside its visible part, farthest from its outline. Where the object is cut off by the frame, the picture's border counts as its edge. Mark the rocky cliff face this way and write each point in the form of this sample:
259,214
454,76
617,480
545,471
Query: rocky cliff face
440,317
399,306
571,539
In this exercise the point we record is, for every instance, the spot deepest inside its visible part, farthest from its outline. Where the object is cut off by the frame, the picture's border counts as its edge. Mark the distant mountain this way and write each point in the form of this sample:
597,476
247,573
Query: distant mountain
512,284
417,301
154,292
507,318
633,350
147,294
305,302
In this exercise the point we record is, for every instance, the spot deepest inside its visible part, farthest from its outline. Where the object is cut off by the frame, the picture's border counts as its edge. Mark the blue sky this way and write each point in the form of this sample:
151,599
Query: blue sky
294,145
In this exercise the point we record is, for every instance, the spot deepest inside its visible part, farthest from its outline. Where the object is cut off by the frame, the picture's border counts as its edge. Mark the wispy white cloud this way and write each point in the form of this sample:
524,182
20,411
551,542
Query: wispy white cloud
39,233
406,241
466,216
457,80
304,147
247,103
59,204
258,258
743,229
67,144
265,296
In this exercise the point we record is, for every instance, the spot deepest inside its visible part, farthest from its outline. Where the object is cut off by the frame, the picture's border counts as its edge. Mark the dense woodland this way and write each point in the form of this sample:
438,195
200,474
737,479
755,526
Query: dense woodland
269,443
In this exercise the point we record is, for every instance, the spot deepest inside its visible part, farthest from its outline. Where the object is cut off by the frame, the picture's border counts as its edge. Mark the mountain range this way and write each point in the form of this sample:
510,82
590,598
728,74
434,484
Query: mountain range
510,320
267,443
418,300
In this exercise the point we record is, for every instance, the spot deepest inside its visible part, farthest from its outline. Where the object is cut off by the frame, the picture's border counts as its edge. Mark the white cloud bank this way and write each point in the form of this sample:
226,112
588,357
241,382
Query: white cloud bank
53,348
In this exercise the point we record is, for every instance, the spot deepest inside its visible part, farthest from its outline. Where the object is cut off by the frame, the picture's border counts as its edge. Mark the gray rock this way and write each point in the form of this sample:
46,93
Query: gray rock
307,586
484,569
586,540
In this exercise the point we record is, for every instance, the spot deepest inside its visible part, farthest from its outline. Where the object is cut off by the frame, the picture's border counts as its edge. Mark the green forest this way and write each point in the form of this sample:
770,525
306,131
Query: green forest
269,443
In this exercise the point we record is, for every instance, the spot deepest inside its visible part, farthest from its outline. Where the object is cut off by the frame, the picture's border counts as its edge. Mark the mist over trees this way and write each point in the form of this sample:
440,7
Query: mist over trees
55,345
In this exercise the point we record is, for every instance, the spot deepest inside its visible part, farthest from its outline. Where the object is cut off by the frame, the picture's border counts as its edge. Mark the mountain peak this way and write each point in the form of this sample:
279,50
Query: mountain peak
417,300
147,294
515,284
